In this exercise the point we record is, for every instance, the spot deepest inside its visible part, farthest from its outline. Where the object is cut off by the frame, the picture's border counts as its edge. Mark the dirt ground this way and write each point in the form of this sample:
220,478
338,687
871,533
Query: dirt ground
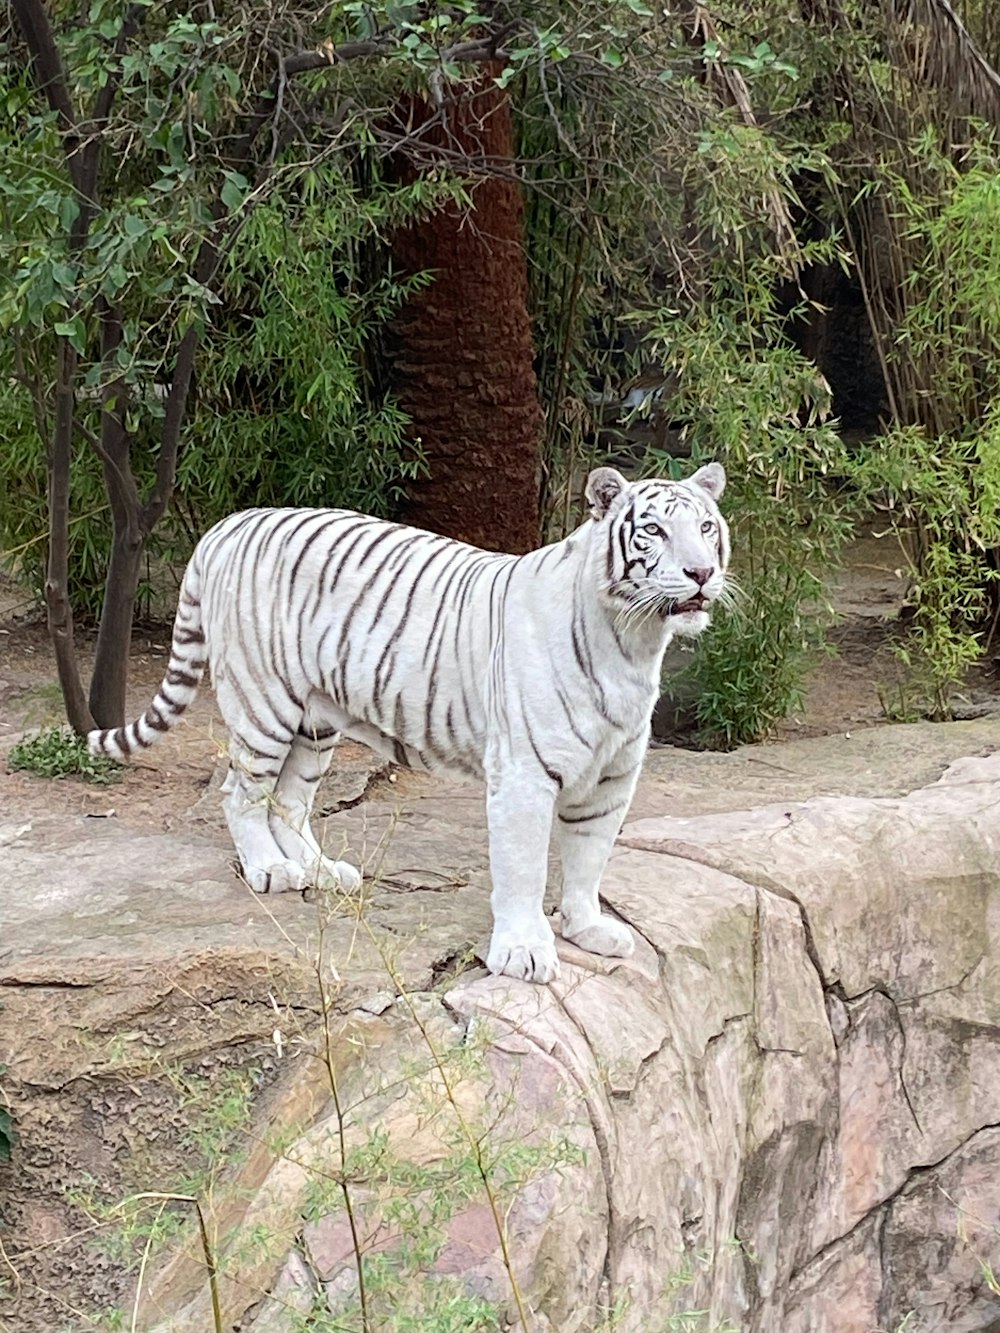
95,1126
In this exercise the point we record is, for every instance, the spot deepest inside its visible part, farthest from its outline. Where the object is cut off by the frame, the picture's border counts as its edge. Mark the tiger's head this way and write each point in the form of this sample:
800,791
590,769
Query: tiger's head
667,545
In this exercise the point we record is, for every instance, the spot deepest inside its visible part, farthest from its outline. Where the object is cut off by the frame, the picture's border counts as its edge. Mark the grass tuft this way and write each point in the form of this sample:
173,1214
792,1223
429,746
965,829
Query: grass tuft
56,752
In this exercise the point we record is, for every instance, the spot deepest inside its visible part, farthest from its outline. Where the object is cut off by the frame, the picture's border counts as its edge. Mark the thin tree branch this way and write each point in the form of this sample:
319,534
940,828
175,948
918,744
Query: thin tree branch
33,384
173,419
486,48
113,446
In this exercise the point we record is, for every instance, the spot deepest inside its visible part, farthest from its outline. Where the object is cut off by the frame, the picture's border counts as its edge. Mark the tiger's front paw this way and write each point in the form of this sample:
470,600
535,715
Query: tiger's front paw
527,960
606,936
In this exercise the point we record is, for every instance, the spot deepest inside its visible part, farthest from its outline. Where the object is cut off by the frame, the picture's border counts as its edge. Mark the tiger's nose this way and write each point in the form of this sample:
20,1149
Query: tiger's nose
700,574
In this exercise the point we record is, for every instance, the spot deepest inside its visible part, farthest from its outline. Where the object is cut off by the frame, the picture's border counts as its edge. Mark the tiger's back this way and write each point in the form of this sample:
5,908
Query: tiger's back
378,631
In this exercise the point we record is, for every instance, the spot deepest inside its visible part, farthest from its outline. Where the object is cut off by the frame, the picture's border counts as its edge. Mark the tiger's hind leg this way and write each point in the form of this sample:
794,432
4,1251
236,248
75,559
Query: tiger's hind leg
258,747
249,800
305,765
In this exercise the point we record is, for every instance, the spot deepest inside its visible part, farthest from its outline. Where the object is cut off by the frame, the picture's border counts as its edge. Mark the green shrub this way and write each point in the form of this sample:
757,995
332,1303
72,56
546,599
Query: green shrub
56,753
744,395
937,468
291,408
679,270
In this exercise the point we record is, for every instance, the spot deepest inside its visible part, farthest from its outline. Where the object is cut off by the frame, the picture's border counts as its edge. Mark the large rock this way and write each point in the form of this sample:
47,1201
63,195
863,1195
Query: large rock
783,1112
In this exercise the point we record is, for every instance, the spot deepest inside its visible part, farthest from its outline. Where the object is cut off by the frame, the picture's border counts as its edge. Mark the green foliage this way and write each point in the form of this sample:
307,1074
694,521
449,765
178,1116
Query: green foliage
56,752
444,1305
944,519
747,398
24,515
938,467
290,404
702,202
400,1196
403,1197
290,411
674,175
680,273
214,1112
127,1227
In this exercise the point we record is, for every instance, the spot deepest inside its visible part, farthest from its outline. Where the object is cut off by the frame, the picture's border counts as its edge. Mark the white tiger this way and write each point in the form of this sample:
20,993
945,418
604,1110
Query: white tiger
537,672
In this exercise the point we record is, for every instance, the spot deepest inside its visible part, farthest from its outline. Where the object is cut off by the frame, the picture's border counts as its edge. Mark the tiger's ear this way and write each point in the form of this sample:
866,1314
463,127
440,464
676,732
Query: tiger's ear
604,485
711,478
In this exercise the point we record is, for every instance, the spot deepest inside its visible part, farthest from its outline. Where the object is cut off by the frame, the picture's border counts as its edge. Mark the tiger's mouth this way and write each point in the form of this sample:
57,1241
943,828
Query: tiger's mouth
696,603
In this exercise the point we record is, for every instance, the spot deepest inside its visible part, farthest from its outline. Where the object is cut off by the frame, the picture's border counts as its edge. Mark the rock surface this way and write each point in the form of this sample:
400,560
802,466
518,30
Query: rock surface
782,1112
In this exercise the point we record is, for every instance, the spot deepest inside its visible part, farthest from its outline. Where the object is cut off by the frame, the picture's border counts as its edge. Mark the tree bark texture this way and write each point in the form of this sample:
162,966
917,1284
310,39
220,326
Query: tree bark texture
463,368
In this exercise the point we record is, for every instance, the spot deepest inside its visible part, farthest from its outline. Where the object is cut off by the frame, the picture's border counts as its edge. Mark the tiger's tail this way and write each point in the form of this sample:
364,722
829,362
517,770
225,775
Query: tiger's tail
178,687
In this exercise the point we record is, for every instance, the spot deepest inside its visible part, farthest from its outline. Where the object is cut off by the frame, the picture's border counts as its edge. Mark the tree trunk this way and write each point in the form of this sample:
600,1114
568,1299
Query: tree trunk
107,684
464,369
60,613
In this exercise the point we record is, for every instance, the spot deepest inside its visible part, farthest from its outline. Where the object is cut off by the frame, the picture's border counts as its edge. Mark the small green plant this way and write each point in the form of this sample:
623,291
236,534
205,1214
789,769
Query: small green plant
944,510
217,1111
56,753
898,702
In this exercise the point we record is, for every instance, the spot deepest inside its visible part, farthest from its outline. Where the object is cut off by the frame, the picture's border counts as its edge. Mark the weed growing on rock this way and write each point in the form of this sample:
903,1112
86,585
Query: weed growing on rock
213,1113
217,1111
6,1124
407,1202
392,1192
677,1321
56,753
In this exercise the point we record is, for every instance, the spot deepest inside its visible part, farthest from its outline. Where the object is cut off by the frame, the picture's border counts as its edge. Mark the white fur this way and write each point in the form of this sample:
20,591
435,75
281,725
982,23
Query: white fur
538,673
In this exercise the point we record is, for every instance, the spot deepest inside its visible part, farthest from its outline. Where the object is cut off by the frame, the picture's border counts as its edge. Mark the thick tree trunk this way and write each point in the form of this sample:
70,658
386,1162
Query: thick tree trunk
464,370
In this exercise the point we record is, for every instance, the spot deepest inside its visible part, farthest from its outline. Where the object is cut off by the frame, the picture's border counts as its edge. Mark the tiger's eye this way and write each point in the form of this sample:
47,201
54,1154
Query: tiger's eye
653,530
708,526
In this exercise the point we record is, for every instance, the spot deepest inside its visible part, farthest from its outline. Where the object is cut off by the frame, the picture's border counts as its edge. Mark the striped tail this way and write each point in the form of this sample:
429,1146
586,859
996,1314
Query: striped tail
178,687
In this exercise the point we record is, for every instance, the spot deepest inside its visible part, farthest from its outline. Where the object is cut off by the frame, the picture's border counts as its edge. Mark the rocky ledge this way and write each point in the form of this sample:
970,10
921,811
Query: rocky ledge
782,1113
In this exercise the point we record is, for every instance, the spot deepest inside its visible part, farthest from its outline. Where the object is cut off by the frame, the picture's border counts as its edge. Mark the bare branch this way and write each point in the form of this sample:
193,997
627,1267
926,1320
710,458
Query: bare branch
176,404
113,445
